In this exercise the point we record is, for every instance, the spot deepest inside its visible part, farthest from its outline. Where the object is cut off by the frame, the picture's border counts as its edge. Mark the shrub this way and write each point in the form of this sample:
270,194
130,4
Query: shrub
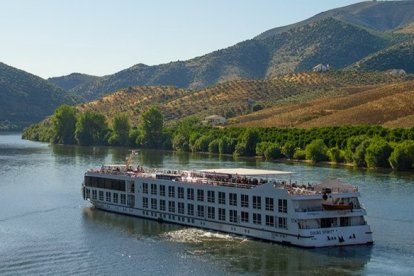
402,158
214,146
288,150
377,154
272,151
316,151
336,155
300,154
180,143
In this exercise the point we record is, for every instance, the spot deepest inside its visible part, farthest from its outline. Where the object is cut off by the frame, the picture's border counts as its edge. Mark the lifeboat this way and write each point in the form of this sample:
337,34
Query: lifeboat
337,206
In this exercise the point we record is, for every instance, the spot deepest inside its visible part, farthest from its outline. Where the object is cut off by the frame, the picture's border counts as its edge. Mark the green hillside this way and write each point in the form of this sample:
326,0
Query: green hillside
375,15
400,56
26,98
328,41
72,81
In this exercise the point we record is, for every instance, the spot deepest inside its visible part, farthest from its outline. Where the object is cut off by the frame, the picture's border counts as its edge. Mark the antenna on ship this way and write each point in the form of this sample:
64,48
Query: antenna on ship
129,159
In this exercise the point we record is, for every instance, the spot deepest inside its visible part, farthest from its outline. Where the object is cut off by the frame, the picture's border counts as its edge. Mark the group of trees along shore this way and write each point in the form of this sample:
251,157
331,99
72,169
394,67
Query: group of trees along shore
362,146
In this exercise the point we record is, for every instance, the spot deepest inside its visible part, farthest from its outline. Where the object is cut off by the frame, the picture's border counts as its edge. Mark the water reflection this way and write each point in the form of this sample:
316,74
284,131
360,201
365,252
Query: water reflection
240,255
152,158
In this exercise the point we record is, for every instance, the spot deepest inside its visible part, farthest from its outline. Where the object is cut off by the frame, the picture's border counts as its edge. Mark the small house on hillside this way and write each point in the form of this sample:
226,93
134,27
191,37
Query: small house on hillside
214,120
321,68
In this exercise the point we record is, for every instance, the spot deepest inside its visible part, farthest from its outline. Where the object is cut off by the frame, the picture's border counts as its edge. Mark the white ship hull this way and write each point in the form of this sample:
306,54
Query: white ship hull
278,216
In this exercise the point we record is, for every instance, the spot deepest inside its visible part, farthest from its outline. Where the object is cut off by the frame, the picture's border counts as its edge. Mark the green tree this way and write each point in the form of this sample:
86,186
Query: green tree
377,153
316,151
336,155
359,155
402,158
227,145
247,143
288,150
91,129
120,130
213,147
180,143
64,125
272,151
152,124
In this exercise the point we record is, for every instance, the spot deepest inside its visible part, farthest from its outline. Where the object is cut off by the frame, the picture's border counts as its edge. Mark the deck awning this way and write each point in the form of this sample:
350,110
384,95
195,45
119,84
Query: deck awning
245,172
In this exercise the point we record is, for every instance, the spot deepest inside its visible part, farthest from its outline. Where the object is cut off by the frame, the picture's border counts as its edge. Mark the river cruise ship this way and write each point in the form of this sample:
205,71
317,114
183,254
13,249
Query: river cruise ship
247,202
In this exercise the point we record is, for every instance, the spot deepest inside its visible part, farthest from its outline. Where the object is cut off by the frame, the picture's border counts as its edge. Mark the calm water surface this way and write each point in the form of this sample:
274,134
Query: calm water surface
46,227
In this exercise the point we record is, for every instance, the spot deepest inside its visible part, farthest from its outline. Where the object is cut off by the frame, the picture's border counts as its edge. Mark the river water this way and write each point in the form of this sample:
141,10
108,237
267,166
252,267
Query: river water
47,228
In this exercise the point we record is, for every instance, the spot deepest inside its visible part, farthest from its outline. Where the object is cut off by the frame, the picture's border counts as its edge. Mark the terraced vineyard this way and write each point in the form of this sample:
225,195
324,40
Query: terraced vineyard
238,97
389,105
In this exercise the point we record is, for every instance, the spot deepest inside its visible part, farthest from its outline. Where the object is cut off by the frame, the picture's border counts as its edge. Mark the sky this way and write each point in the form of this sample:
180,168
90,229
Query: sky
57,37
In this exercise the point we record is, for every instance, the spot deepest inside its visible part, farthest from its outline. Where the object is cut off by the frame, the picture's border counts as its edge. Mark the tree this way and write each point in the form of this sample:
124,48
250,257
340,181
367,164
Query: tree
64,125
152,124
91,129
272,151
120,130
316,151
214,146
336,155
247,143
402,158
180,143
359,155
288,150
377,153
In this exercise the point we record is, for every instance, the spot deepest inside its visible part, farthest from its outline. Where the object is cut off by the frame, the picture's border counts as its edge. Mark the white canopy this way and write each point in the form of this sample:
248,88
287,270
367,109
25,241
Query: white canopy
246,172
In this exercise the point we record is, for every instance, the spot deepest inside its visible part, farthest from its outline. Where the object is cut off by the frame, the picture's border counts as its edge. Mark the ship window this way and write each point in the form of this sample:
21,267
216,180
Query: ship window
100,195
131,200
153,203
233,199
269,204
200,195
108,196
145,202
200,211
94,194
257,218
211,196
145,188
171,206
244,201
190,193
115,197
162,204
171,191
180,192
180,207
270,220
282,205
344,221
257,202
123,199
190,209
88,193
221,213
282,223
221,198
233,215
154,189
244,217
211,212
162,190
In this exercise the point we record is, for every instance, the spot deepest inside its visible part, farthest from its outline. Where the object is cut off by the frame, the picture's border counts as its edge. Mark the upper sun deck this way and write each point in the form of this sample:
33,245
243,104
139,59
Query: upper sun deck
229,177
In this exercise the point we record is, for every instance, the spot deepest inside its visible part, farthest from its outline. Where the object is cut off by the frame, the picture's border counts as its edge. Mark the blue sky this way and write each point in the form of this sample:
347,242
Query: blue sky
57,37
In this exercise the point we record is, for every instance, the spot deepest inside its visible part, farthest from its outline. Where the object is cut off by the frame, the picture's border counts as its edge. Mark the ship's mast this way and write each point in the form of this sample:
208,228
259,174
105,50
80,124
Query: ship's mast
129,159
